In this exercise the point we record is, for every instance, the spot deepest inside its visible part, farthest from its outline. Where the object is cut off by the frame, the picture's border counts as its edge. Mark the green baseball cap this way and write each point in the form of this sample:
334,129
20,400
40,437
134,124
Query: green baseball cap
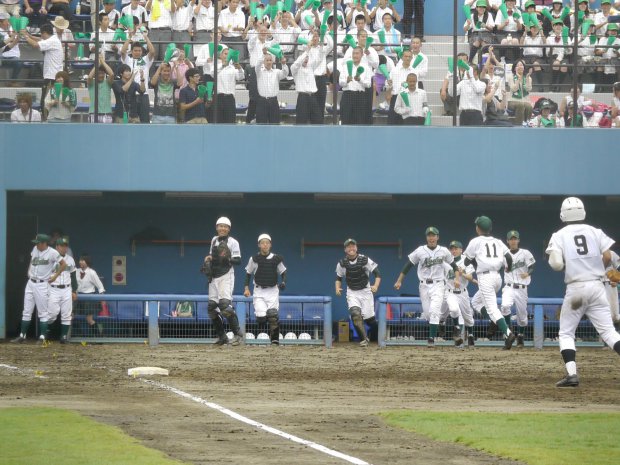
432,230
482,3
484,223
530,3
612,27
350,241
41,238
456,244
557,21
605,1
109,2
512,234
62,241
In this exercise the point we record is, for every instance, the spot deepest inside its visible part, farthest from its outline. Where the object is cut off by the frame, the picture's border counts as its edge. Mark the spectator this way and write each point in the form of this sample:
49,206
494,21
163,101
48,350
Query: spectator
105,80
509,31
328,9
137,11
419,61
412,111
259,40
203,29
60,106
191,103
586,48
610,70
137,61
88,283
556,10
471,91
546,119
395,84
533,53
268,82
601,18
376,14
582,8
204,54
306,18
231,23
179,65
557,55
370,61
10,7
352,103
106,39
53,54
447,86
520,89
358,16
392,38
413,8
286,32
494,106
160,24
164,98
126,92
479,28
61,8
110,10
228,73
307,110
24,113
181,24
9,47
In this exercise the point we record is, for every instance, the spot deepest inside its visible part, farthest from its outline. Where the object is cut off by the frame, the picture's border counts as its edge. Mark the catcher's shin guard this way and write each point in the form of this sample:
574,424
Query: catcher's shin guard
358,322
274,324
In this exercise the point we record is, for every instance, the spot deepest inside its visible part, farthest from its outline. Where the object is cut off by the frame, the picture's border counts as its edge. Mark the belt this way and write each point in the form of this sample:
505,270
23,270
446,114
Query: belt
268,98
61,286
471,111
485,272
431,281
37,280
264,287
517,286
454,291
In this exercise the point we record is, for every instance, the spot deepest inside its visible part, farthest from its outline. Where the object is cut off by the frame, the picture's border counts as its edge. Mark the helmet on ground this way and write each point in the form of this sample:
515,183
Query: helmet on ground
250,336
263,336
304,337
290,336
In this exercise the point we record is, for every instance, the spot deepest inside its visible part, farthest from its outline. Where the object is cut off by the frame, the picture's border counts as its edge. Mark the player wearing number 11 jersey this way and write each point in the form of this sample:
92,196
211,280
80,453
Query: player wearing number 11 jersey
583,253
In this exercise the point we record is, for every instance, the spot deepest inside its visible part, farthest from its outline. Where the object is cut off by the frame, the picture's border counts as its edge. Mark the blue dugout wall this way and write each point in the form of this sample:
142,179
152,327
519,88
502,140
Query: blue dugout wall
426,170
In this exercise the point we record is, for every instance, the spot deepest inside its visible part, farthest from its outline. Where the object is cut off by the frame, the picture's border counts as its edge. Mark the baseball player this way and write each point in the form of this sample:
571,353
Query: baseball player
612,289
224,253
515,284
356,269
63,291
582,252
489,255
457,297
266,266
430,259
40,275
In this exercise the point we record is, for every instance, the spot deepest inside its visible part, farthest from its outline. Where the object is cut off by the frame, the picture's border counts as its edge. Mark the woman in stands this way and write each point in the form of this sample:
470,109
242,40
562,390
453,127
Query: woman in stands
520,89
60,105
89,283
24,113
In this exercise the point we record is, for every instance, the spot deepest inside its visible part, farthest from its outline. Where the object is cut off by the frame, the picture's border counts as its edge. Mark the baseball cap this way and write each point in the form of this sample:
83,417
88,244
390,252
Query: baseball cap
557,21
432,230
454,244
264,236
605,1
62,241
350,241
512,234
484,223
529,3
109,2
612,27
223,220
41,238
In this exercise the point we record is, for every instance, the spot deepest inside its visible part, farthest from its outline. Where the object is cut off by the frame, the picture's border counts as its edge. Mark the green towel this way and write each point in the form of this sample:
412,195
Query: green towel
80,51
611,40
504,11
275,51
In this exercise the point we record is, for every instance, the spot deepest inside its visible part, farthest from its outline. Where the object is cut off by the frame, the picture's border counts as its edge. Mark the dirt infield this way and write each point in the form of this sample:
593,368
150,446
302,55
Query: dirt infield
329,396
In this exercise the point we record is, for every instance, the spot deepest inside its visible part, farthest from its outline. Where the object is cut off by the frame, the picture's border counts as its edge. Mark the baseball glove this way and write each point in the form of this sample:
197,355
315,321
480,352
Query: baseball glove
223,254
613,275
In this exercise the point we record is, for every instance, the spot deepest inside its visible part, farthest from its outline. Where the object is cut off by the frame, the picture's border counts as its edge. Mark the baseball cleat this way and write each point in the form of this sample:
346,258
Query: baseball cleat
520,340
458,341
568,381
364,343
509,341
19,339
470,341
430,342
236,340
492,330
221,341
63,340
275,343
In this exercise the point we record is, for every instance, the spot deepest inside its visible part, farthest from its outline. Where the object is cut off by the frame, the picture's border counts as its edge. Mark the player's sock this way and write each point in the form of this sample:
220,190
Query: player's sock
507,319
433,330
64,330
43,328
24,328
568,355
470,330
521,329
484,313
617,347
503,327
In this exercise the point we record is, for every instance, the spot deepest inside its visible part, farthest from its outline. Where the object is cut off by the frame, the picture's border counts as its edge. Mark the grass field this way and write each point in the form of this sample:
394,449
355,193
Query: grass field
40,436
537,439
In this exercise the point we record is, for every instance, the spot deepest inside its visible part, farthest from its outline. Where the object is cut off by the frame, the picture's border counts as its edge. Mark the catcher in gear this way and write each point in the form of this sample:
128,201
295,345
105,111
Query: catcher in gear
224,253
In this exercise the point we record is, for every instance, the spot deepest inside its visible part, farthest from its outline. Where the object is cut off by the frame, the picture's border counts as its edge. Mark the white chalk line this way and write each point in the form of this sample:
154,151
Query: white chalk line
256,424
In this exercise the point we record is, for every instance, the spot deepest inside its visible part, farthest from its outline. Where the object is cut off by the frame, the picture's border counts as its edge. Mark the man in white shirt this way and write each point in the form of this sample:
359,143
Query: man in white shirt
106,39
203,29
398,76
392,38
181,24
231,23
110,10
353,101
228,73
307,110
140,66
413,111
582,252
268,82
137,11
471,93
259,39
53,54
286,32
160,24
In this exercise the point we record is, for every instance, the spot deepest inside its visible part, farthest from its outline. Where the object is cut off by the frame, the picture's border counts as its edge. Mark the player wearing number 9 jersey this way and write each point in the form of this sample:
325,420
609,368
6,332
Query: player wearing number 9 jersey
489,255
582,251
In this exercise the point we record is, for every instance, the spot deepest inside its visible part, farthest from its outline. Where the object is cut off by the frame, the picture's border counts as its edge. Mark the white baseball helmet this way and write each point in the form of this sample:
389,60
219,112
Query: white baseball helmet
304,336
223,220
290,336
264,236
250,336
230,335
263,336
572,210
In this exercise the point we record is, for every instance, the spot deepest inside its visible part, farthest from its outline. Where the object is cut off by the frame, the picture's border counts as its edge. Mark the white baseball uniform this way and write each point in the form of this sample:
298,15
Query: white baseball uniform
265,297
430,263
361,298
582,247
59,301
612,291
489,255
222,286
515,287
37,289
457,298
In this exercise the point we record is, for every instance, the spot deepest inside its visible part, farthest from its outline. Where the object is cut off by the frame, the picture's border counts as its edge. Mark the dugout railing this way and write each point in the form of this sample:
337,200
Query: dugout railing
400,323
162,318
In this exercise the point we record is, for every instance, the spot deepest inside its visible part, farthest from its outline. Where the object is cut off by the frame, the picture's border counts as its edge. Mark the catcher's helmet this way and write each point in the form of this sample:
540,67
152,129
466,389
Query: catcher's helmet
264,236
223,220
572,210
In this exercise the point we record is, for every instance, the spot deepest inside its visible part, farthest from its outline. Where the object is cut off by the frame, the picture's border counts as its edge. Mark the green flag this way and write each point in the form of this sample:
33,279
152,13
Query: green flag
119,34
381,35
565,31
369,41
57,90
585,27
187,48
504,11
233,55
565,13
350,40
275,51
169,52
202,90
288,5
467,11
309,4
359,71
461,64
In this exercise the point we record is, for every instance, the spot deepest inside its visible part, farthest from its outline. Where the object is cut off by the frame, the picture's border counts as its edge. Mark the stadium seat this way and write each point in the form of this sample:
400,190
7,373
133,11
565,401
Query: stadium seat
130,311
313,312
291,311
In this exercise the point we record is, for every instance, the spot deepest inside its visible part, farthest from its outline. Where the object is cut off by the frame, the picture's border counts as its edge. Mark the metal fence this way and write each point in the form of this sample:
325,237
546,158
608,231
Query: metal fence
400,323
183,318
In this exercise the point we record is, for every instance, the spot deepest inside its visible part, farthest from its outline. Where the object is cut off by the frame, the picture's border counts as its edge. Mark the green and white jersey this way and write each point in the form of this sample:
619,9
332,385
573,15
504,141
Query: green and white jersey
430,262
42,263
522,259
451,275
65,277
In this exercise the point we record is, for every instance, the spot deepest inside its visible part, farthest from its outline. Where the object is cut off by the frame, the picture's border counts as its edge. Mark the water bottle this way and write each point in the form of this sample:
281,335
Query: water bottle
509,37
78,8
